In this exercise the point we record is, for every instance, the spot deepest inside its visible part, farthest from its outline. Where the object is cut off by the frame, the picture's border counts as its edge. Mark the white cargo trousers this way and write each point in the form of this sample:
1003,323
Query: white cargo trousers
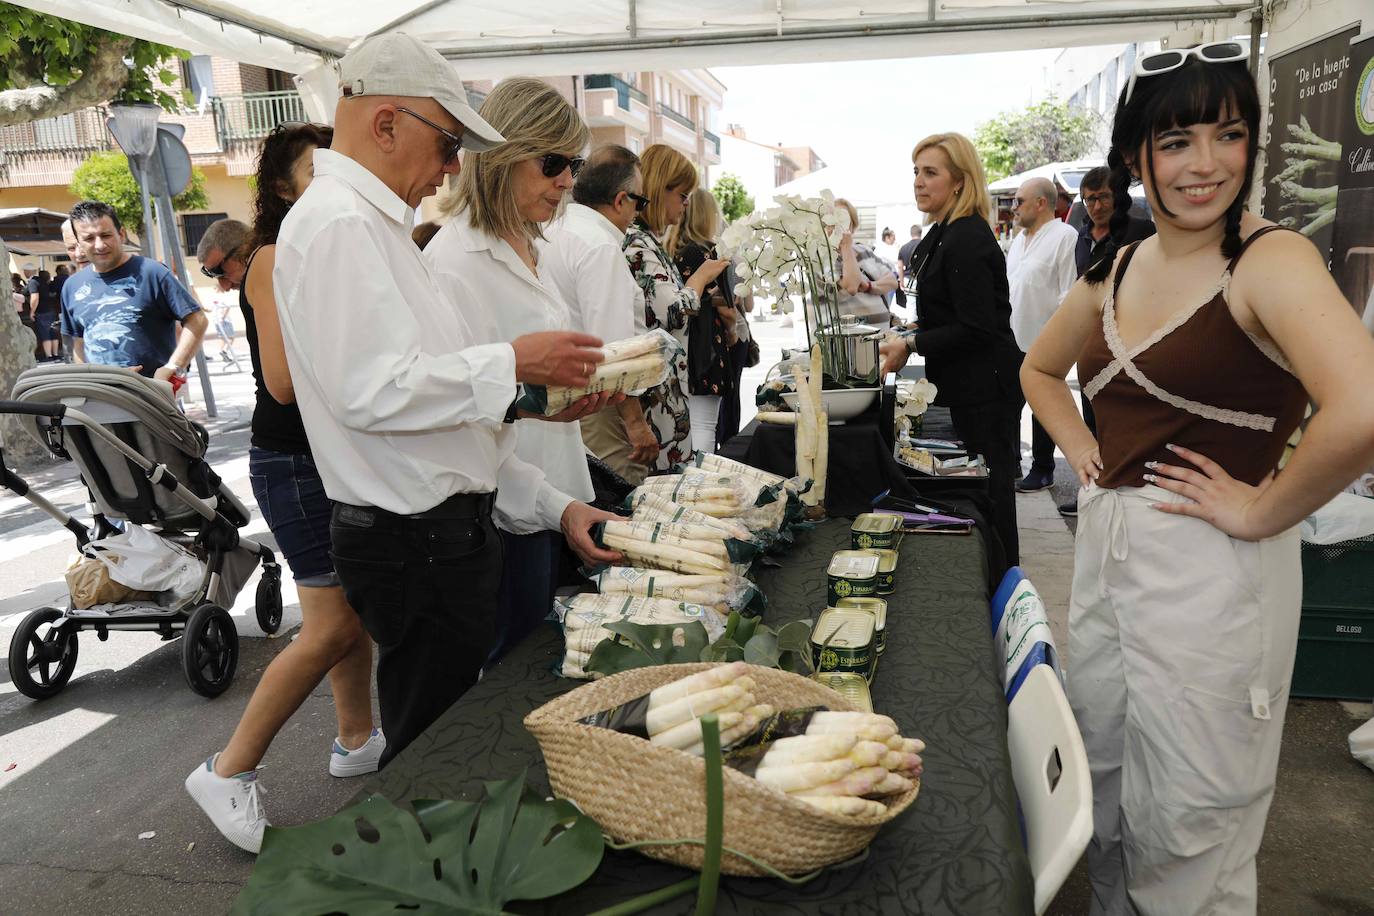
1181,645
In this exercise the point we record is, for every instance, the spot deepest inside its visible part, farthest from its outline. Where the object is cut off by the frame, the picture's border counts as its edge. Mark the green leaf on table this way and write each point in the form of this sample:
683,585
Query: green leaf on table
645,645
458,857
762,648
794,648
748,626
724,649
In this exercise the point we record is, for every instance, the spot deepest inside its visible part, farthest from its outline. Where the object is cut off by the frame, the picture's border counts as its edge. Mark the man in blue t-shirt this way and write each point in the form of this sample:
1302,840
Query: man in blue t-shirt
123,309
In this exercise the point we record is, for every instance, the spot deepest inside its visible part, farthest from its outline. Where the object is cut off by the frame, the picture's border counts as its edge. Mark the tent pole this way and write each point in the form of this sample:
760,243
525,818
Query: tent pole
1256,32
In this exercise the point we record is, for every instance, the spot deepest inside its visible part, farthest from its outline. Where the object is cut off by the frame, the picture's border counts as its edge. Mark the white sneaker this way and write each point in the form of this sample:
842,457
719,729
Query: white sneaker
233,804
360,760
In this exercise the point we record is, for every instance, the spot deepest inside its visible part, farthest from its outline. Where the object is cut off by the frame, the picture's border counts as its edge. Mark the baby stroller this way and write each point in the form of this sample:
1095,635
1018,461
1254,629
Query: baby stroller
143,463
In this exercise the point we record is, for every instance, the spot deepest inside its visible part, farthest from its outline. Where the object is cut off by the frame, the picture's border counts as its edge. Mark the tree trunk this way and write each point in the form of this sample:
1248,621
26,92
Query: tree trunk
101,80
16,354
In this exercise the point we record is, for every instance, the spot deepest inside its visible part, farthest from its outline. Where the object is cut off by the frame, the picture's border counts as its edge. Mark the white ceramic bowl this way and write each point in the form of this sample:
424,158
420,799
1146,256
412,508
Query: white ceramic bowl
840,403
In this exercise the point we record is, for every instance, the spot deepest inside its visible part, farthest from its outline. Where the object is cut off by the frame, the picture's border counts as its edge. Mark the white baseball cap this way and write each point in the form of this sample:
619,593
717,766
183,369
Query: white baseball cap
400,64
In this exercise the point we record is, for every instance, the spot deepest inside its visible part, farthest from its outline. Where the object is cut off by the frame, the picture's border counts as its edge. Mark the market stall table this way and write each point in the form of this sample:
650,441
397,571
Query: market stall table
957,850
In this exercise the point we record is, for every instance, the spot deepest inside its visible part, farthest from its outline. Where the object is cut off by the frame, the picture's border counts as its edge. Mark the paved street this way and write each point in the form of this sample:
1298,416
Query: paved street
84,774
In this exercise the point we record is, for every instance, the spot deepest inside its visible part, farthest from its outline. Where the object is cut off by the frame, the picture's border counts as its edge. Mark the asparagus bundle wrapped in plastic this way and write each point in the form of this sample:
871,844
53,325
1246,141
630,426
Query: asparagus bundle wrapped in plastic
724,592
585,617
651,506
632,366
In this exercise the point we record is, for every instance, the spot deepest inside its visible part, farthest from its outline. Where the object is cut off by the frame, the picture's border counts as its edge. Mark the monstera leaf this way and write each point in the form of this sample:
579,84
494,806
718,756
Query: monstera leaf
645,645
458,857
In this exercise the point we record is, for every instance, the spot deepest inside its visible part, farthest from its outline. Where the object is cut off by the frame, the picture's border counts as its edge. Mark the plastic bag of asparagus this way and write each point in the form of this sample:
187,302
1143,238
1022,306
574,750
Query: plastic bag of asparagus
584,618
676,546
840,762
731,497
724,592
632,367
789,489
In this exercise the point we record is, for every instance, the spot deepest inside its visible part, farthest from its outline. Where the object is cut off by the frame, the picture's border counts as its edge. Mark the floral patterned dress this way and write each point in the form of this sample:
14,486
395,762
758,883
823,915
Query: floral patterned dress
666,304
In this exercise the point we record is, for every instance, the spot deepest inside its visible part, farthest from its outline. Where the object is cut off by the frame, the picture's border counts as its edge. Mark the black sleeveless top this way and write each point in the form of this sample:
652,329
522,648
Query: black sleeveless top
276,427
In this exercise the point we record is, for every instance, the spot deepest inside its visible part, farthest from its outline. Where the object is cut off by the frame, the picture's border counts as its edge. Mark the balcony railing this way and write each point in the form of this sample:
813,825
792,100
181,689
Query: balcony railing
712,141
623,90
253,116
78,132
676,116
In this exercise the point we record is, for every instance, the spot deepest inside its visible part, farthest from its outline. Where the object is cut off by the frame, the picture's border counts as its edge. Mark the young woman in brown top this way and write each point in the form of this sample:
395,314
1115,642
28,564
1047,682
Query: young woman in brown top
1187,585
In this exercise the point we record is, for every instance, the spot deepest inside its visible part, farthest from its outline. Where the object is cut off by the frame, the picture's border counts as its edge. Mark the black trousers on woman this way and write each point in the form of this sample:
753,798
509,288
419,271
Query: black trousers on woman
993,430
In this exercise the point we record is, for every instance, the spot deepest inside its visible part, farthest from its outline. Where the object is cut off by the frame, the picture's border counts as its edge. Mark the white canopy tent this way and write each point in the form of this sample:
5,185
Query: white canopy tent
489,39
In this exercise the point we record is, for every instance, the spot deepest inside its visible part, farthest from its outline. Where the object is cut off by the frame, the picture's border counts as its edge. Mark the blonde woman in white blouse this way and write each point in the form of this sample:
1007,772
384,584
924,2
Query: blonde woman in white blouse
503,198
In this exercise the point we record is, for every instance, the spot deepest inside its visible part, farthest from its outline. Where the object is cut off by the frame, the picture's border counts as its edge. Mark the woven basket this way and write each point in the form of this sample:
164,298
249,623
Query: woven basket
640,791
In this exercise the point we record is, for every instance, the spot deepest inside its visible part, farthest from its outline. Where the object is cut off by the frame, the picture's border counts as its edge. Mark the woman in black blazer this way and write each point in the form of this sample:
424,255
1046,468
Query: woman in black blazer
964,319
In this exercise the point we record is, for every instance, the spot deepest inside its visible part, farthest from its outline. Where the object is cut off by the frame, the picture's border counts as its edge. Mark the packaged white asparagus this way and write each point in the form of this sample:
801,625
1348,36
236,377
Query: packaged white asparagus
650,506
722,465
585,616
712,494
725,592
700,538
632,366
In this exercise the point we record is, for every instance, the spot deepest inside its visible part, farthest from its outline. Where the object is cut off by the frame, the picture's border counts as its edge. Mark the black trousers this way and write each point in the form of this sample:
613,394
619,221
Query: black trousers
425,588
993,430
528,582
1042,449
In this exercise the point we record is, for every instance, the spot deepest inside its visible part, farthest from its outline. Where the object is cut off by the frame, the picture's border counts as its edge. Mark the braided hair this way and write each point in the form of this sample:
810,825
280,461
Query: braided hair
1196,93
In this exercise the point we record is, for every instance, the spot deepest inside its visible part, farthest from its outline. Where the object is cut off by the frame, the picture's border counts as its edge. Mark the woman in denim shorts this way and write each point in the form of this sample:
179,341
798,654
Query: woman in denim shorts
293,503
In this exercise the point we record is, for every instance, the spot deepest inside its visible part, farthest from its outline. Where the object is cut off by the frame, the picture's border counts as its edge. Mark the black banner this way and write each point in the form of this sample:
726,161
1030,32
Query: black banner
1307,114
1352,249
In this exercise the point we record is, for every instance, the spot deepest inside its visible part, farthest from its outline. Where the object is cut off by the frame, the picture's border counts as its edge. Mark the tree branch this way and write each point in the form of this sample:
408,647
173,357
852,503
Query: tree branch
101,79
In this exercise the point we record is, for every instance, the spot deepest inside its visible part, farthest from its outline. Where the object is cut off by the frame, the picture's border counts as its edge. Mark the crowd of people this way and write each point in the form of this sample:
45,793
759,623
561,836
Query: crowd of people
419,510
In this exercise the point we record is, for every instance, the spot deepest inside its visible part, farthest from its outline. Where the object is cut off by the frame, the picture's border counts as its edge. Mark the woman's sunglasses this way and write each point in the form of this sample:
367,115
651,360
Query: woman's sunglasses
641,202
1215,52
553,164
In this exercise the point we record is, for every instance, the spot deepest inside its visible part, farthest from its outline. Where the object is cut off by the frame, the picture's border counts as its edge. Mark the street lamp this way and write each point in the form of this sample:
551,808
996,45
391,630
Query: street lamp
134,126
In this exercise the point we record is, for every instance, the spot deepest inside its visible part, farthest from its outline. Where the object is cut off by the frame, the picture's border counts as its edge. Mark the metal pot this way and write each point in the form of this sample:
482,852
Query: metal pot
861,349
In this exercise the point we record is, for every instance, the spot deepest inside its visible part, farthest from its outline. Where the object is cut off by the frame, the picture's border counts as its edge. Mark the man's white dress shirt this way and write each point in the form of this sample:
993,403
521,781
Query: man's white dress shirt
583,257
402,391
1040,271
484,274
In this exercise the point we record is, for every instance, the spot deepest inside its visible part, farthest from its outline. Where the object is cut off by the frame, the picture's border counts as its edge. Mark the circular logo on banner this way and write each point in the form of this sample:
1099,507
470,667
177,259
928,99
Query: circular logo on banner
1364,99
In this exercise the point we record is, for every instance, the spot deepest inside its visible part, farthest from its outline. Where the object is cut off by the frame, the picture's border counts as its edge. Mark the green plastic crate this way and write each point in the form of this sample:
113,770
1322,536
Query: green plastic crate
1336,636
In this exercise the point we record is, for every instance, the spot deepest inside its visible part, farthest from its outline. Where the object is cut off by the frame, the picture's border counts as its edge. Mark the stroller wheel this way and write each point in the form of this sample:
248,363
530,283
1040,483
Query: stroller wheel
209,650
268,603
42,655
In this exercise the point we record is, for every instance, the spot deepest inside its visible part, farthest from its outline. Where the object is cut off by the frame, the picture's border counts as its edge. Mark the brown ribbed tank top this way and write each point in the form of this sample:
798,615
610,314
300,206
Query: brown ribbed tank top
1200,381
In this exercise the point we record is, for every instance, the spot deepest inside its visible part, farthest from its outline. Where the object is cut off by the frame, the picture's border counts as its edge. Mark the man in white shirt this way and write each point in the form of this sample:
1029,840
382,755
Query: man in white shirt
584,258
1040,270
406,395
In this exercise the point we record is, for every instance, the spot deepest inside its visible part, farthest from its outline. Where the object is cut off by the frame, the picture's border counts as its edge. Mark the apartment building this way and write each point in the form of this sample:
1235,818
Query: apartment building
234,106
762,168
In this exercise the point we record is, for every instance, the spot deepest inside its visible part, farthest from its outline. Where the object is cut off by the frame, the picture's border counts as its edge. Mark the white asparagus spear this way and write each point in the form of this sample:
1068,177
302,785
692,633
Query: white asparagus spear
709,679
898,762
692,706
859,782
839,804
777,418
892,784
798,776
686,734
657,507
673,556
808,748
913,745
847,717
630,347
821,465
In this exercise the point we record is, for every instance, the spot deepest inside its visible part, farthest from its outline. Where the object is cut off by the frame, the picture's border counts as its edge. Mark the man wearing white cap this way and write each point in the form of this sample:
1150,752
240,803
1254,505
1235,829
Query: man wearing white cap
407,398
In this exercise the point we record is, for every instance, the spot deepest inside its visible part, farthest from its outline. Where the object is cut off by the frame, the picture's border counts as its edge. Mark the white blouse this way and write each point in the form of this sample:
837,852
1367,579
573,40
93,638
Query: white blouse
519,302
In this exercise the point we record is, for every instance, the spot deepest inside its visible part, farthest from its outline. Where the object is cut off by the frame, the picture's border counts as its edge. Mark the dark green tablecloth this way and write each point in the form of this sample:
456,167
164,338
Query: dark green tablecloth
956,850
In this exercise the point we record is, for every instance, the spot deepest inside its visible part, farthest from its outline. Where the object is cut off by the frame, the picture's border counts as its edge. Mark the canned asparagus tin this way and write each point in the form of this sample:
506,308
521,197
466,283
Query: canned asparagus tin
852,687
842,641
878,608
874,530
852,574
887,571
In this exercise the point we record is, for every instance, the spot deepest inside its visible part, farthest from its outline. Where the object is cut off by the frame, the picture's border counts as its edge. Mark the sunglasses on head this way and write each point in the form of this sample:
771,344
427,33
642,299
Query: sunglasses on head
1214,52
640,201
455,141
553,164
